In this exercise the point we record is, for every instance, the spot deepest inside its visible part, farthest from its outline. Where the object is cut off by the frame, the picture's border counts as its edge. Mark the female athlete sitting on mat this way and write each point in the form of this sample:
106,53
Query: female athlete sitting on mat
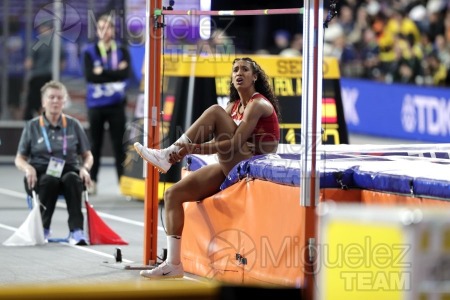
247,127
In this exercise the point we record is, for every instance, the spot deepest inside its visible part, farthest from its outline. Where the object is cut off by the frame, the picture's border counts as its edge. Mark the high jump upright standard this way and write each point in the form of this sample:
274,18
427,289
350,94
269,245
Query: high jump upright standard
153,46
311,124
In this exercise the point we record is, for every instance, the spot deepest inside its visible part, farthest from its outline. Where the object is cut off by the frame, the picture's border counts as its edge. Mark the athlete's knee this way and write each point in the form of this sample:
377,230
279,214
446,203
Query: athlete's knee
169,195
214,110
217,108
174,195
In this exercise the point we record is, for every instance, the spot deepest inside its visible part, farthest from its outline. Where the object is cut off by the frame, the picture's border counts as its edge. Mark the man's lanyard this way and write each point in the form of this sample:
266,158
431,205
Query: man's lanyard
47,140
104,55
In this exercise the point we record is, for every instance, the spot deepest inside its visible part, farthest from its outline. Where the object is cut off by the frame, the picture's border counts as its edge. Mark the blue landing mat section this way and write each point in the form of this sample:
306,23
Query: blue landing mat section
417,170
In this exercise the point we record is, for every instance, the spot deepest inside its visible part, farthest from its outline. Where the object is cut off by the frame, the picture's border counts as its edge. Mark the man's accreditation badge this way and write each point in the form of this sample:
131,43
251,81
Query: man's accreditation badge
55,167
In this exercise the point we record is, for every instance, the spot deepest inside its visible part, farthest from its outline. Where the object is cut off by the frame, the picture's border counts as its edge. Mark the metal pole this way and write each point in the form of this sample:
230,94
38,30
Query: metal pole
4,85
91,5
311,101
153,50
28,26
28,45
190,96
56,58
310,136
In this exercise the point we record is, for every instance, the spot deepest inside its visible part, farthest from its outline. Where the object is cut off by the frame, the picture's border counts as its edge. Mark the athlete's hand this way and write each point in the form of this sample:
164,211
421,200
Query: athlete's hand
185,149
175,157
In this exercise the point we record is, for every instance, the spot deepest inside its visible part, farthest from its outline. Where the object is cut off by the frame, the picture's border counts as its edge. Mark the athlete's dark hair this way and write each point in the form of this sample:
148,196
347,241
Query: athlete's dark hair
262,85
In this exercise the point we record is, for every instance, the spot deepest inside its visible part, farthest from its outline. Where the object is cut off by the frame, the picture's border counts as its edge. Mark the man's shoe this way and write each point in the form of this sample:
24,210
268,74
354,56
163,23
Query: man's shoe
153,156
77,238
46,234
164,270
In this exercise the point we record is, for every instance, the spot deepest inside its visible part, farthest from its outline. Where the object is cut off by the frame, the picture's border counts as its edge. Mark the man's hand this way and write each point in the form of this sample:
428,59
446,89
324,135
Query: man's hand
85,177
31,176
97,70
122,65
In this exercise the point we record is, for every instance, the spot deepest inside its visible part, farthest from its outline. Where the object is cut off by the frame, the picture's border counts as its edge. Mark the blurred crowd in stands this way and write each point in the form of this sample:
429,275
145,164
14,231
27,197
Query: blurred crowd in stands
399,41
392,41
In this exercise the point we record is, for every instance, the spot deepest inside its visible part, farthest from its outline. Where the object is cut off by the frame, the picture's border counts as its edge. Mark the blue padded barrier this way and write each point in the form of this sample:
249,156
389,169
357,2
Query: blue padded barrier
194,162
288,172
418,170
289,156
276,169
232,177
336,178
382,182
239,171
432,188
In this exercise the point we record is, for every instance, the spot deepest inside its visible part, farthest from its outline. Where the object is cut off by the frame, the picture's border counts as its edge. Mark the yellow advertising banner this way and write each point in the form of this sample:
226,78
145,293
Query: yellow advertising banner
185,65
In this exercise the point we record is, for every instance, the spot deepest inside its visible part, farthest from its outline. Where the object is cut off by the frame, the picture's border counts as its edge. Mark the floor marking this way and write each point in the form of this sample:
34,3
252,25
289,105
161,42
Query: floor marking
8,227
12,193
63,205
83,248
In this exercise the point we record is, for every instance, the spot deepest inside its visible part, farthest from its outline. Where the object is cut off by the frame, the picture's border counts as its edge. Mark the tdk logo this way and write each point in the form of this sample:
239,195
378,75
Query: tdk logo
426,115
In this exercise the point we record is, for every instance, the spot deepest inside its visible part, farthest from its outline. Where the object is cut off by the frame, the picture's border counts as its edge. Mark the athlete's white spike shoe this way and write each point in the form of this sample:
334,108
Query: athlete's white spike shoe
155,157
164,270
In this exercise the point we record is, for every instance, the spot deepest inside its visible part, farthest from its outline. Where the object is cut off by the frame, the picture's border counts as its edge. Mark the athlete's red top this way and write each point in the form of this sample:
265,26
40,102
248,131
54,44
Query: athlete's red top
266,130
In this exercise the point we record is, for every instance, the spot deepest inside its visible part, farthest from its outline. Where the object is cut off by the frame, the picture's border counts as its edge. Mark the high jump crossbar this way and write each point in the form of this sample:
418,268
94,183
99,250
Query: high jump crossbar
252,12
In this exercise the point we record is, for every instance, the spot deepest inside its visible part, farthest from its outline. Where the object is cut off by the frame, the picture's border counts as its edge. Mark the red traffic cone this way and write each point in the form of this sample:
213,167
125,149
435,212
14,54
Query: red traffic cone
99,232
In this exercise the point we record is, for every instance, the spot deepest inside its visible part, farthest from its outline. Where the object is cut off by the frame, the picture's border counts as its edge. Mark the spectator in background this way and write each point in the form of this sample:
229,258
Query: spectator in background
424,47
346,19
332,36
443,49
361,23
399,23
107,68
447,25
406,67
295,47
15,47
39,64
49,153
397,37
436,17
370,56
281,39
393,40
218,43
435,71
418,14
336,46
221,43
447,78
